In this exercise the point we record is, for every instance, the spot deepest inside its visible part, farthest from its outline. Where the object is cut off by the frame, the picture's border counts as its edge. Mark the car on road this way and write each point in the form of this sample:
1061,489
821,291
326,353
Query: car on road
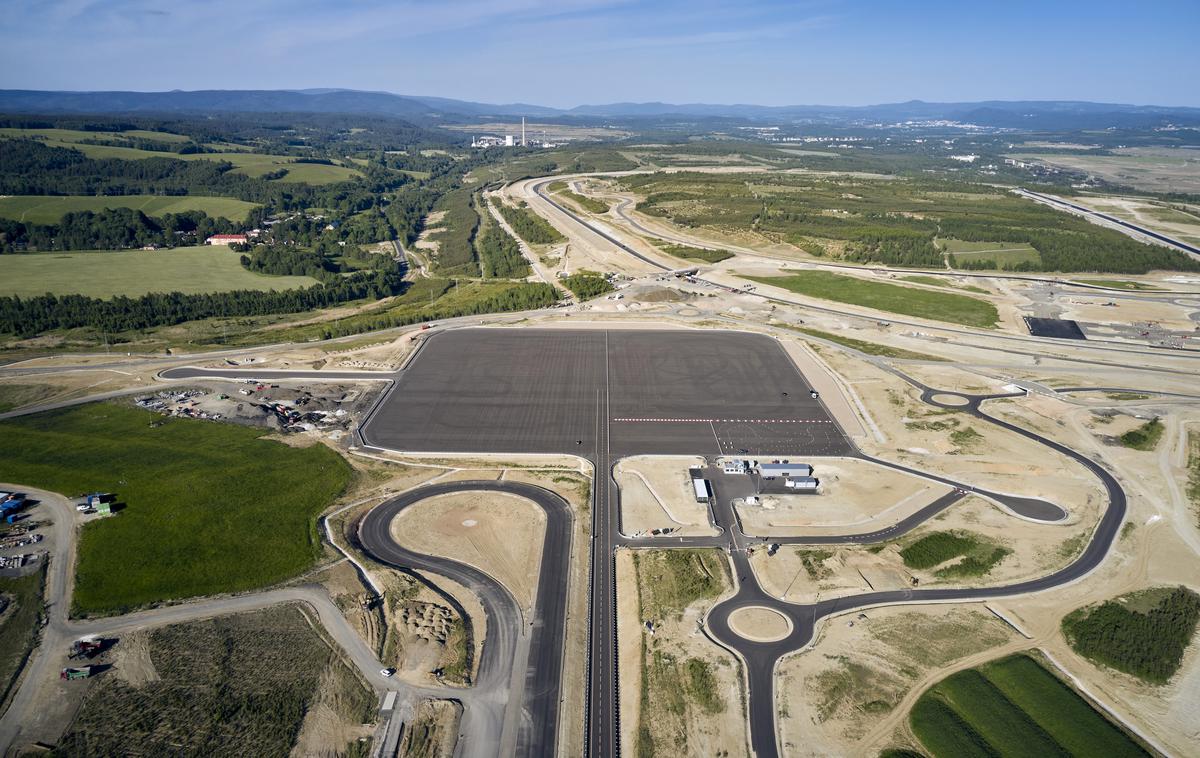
387,672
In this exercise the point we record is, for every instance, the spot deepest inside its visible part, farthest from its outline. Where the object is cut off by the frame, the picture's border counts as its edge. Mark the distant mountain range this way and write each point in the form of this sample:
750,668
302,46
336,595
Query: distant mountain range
1021,114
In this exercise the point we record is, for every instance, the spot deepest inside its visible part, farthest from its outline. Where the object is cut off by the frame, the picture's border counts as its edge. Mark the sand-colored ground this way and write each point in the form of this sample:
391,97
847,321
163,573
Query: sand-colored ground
961,447
674,640
855,496
1127,312
498,533
656,493
805,574
861,667
760,624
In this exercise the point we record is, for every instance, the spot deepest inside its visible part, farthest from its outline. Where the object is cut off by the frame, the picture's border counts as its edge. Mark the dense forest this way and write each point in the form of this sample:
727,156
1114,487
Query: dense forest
528,225
1148,644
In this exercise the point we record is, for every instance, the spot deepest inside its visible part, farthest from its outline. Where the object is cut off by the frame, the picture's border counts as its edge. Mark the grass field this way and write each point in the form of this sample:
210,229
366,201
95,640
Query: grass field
18,631
77,135
1013,707
1118,284
1001,252
933,281
590,204
210,507
674,579
235,685
106,273
17,395
47,209
893,298
870,348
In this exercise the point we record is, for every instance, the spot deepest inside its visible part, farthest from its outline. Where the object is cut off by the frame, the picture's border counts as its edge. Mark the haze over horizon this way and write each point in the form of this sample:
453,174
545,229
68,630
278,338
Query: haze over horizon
573,52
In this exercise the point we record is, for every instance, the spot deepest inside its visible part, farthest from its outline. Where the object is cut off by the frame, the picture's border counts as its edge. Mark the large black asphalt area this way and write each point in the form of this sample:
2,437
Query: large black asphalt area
661,392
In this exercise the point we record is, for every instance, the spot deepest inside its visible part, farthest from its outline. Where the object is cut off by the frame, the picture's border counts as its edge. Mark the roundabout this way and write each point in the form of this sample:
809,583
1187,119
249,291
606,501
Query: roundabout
758,623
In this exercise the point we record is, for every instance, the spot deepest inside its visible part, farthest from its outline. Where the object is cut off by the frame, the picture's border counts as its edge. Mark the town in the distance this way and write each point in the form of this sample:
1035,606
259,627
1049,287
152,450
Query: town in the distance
343,423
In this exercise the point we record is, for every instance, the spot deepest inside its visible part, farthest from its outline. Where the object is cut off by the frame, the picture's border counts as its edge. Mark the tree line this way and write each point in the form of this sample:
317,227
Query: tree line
26,317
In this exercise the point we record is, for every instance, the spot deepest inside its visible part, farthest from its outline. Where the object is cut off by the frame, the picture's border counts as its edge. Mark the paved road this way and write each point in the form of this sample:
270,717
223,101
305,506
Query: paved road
1168,241
536,686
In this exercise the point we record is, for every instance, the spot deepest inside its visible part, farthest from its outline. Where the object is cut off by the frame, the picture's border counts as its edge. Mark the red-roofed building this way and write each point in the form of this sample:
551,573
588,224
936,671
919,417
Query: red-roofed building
226,239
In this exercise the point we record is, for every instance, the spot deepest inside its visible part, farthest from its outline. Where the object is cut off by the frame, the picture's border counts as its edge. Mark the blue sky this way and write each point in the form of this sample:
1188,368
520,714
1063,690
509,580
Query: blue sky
568,52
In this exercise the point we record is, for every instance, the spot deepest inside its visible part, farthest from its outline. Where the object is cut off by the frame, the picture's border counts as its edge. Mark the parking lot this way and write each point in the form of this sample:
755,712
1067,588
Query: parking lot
658,392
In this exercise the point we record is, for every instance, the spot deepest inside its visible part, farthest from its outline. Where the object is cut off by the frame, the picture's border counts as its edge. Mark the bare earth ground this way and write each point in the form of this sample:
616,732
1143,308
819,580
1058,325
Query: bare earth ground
433,733
693,732
497,533
859,668
855,496
656,493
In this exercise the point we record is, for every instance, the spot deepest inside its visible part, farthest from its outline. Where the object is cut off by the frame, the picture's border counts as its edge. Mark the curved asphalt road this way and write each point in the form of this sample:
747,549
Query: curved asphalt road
539,691
761,657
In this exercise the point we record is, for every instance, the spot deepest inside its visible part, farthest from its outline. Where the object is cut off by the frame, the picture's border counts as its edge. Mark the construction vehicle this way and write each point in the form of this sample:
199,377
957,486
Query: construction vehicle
68,674
86,647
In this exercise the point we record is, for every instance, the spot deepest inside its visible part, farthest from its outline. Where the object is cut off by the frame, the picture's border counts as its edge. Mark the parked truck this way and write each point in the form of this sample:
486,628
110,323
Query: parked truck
82,672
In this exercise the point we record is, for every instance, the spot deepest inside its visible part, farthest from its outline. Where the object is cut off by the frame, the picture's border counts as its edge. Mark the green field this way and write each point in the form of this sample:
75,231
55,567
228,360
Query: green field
49,209
209,507
893,298
1001,252
933,281
1013,707
1118,284
77,135
136,272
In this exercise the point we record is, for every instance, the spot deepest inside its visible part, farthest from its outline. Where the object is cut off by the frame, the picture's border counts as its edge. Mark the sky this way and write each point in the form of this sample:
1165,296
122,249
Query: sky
570,52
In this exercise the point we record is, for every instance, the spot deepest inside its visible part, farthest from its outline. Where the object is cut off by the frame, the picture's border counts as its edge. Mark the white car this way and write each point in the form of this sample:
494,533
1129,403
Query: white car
387,672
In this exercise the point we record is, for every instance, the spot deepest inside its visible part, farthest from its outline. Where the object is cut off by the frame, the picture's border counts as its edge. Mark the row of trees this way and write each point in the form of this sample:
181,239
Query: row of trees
528,225
26,317
499,254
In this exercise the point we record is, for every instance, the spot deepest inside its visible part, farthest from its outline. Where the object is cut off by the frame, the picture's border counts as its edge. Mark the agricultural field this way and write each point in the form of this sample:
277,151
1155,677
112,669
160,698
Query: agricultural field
892,298
234,685
19,628
1013,706
241,508
896,222
1143,634
106,273
49,209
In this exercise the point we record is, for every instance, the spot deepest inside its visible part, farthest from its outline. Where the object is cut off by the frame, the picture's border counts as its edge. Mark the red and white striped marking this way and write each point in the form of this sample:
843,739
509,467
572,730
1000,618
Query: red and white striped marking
727,420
